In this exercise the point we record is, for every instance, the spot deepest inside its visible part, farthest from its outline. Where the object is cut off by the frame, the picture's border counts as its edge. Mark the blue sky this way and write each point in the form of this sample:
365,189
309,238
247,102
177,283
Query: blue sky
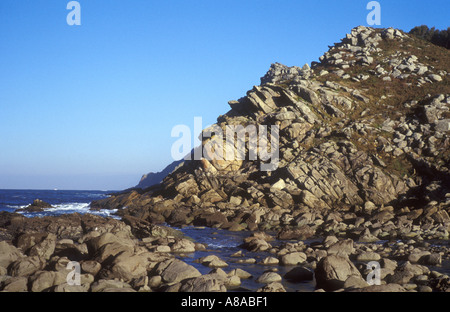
93,106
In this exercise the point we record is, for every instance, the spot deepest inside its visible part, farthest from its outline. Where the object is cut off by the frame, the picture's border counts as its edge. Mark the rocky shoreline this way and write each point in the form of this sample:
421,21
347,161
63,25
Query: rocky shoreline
35,252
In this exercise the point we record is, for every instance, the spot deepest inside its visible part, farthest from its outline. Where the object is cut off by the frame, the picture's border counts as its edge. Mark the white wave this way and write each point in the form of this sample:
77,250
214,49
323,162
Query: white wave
16,206
79,207
60,209
223,244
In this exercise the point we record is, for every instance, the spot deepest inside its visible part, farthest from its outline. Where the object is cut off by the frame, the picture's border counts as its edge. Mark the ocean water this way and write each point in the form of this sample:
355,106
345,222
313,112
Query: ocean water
63,201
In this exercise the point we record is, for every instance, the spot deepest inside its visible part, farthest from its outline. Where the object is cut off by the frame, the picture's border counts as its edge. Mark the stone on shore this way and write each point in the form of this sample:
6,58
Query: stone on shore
299,274
269,277
293,258
332,272
173,271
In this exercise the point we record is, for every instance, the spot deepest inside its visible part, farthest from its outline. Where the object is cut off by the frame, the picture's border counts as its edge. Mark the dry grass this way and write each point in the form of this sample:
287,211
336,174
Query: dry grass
387,98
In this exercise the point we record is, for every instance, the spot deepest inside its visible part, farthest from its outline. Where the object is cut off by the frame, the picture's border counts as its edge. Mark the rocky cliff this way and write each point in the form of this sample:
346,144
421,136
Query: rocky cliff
154,178
363,149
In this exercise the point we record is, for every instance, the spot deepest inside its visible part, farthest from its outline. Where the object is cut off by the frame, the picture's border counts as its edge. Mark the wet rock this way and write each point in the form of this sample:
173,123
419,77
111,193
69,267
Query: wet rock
183,246
212,261
432,259
211,219
269,277
240,273
299,274
37,206
270,261
255,244
417,255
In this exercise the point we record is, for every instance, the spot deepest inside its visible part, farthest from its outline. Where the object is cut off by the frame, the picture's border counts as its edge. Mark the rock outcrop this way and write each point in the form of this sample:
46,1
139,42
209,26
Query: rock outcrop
37,206
153,178
110,258
363,149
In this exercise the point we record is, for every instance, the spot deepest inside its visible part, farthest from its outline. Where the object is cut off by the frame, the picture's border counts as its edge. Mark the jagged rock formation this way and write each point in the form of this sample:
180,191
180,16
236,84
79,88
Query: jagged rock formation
363,149
37,206
153,178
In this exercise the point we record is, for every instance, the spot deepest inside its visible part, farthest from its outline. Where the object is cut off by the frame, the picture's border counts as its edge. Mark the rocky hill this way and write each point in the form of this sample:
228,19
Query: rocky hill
153,178
364,150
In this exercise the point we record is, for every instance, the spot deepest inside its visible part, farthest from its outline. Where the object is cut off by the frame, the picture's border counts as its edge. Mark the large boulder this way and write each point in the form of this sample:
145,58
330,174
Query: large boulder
108,251
126,267
106,246
15,284
183,245
44,280
37,206
406,272
204,283
173,271
8,254
269,277
26,266
96,243
341,248
332,272
104,285
299,274
44,248
293,258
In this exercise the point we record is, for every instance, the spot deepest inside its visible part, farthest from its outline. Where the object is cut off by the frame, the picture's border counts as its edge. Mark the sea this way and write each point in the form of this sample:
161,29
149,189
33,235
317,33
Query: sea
63,201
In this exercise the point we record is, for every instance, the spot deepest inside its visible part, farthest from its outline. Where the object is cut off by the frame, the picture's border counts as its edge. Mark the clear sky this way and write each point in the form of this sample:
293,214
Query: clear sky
93,106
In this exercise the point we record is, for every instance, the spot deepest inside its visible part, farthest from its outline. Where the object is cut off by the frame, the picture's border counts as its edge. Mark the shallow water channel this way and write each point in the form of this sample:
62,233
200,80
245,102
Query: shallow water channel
224,244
